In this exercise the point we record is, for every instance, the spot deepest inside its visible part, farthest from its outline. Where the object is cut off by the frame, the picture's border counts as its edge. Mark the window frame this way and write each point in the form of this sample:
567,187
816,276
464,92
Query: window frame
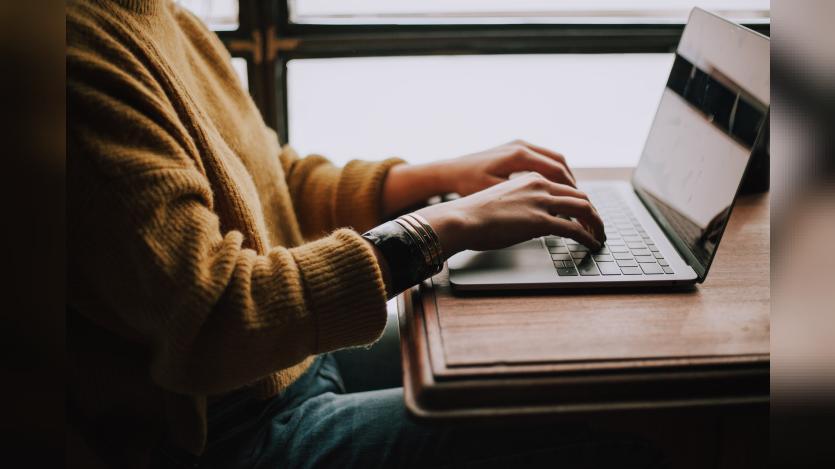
245,42
269,40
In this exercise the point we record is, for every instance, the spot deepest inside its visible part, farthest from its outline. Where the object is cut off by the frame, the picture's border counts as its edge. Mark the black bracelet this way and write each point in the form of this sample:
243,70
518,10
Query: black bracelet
405,255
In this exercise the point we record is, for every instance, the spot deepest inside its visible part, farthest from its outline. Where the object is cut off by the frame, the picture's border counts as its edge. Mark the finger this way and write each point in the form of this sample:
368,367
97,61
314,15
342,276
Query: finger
574,230
565,190
554,171
582,210
559,157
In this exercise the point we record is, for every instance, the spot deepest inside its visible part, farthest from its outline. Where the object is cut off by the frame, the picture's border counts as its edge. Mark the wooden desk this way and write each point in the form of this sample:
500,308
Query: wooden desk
517,354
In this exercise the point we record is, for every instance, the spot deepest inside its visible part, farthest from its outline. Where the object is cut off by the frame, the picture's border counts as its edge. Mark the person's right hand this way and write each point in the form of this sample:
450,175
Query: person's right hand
513,211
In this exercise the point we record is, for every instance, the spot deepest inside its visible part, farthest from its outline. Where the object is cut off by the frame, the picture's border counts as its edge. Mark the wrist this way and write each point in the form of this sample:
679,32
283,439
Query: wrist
449,225
407,253
382,262
437,177
407,185
444,175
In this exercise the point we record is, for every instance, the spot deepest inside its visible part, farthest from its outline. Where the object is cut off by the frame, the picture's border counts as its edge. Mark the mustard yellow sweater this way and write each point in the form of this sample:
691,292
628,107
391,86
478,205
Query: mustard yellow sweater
200,259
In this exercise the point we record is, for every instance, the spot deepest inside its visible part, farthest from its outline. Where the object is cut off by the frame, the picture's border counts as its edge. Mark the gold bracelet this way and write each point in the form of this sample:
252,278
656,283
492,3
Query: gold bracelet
423,238
428,228
417,238
430,241
430,238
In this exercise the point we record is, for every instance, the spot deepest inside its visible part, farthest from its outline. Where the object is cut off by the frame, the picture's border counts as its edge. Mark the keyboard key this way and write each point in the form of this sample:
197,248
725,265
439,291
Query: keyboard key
552,241
603,258
633,239
570,242
627,263
641,252
561,264
567,272
577,247
587,267
631,270
579,254
608,268
652,247
651,269
633,245
623,255
667,269
618,248
561,257
615,242
558,250
663,262
645,259
658,255
603,250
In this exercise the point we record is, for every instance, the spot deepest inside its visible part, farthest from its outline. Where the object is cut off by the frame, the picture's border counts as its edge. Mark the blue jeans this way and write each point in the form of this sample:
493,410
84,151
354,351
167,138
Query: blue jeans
315,423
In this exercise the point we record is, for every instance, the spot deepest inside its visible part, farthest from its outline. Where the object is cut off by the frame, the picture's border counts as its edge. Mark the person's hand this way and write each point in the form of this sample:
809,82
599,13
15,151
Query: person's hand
471,173
407,185
514,211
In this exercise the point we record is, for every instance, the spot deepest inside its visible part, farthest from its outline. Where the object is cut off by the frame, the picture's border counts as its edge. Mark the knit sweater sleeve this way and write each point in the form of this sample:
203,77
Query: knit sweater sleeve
148,256
327,197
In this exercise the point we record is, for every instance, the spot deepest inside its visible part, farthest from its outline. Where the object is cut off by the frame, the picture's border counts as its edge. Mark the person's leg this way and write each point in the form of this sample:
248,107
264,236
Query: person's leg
372,429
315,424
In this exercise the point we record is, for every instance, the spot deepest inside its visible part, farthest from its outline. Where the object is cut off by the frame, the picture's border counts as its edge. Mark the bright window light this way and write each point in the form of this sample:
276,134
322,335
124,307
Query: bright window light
219,15
518,11
594,108
239,64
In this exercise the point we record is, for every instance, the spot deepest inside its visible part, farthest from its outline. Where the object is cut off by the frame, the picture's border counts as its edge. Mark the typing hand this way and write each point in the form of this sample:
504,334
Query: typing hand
514,211
472,173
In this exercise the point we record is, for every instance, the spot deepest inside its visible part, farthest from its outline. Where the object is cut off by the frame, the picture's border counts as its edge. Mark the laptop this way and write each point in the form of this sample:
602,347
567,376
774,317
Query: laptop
664,226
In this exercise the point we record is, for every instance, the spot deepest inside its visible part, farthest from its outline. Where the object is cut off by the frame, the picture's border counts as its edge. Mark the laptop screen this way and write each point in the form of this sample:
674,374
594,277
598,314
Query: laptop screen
711,115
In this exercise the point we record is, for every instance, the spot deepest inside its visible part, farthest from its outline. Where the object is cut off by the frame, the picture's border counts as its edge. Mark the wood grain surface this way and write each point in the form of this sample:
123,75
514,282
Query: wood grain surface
510,344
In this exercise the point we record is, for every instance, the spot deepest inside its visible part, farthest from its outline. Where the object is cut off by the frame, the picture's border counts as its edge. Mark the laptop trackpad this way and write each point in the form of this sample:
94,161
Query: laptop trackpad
523,262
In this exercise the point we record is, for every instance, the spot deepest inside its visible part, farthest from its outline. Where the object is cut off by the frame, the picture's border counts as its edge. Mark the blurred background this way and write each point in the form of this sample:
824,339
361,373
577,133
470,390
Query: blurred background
583,77
432,79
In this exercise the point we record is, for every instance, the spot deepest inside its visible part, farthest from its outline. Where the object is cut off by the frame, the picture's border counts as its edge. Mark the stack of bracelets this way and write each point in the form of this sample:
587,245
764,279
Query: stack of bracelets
411,248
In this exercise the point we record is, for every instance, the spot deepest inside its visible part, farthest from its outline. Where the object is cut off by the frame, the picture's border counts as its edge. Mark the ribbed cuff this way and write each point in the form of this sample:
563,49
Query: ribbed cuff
360,193
344,288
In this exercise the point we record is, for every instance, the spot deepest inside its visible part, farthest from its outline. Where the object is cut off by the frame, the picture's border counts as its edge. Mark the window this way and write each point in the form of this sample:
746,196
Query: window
426,79
224,17
219,15
594,108
517,11
240,66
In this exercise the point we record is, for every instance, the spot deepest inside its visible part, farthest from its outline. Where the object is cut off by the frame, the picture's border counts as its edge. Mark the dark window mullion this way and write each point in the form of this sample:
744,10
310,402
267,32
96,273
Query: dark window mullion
326,41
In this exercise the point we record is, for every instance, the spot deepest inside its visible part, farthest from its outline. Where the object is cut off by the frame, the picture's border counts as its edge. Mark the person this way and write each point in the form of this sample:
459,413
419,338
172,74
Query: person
211,270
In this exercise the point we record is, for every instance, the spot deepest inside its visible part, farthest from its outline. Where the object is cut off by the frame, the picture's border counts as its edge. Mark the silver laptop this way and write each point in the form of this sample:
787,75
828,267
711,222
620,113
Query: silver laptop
663,227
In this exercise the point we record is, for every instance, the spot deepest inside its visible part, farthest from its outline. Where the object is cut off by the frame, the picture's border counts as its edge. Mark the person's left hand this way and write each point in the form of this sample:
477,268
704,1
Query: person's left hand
407,185
471,173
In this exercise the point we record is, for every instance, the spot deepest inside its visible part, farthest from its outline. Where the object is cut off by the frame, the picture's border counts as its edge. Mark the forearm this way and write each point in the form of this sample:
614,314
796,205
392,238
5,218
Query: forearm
409,185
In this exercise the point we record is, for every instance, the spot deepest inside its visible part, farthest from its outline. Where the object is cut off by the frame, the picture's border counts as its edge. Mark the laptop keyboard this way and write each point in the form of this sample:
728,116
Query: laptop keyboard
628,250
